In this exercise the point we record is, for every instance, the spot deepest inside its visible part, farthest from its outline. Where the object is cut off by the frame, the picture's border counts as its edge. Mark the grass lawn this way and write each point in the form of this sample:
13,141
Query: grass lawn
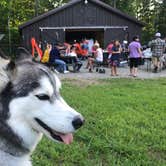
125,125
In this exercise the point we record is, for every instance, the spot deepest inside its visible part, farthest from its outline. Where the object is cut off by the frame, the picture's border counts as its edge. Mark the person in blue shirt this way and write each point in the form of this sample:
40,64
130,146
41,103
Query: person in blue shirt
55,58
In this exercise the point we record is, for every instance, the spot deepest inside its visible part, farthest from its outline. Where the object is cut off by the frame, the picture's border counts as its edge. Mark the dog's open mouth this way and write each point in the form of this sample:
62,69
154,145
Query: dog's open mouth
65,138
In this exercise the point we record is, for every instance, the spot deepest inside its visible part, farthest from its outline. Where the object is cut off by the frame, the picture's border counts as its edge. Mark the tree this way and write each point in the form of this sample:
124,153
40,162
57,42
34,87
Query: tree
152,12
161,19
16,12
45,6
3,12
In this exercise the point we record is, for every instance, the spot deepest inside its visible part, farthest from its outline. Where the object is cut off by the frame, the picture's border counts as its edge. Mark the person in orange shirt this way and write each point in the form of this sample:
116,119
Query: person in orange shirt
78,49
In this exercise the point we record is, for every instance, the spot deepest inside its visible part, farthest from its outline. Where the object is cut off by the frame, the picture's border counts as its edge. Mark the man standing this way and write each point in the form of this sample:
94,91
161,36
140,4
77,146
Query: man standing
157,46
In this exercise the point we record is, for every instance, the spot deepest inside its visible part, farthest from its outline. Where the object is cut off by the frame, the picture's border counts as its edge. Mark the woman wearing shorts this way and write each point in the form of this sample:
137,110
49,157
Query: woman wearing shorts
135,56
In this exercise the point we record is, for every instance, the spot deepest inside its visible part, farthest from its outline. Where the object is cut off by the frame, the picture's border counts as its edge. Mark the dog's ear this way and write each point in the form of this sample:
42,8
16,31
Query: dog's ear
4,77
11,70
3,55
11,66
22,54
8,69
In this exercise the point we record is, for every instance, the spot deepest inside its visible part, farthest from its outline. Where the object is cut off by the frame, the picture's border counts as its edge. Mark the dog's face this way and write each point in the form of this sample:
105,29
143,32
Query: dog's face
35,102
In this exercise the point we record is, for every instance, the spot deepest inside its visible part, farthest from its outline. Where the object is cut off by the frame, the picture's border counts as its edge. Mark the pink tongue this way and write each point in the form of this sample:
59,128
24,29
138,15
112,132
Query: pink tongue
67,138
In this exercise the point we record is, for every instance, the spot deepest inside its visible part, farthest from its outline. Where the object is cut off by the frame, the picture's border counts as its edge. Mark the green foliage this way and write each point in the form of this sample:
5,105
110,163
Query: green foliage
125,125
126,6
44,6
21,11
161,19
148,33
16,12
152,12
3,12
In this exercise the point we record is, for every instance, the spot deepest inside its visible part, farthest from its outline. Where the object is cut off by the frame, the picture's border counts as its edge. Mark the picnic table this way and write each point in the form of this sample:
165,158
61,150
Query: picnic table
70,61
148,61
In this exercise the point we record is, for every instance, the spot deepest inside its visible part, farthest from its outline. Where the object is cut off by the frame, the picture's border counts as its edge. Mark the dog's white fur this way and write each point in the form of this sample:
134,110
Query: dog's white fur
9,160
57,114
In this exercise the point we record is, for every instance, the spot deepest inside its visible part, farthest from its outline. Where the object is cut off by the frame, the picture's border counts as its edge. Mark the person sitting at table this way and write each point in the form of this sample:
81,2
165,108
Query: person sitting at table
55,59
67,48
78,49
77,62
98,57
97,43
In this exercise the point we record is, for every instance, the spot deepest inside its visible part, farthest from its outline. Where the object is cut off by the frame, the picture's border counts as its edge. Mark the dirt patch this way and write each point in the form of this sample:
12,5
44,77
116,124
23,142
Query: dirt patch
158,155
123,73
82,82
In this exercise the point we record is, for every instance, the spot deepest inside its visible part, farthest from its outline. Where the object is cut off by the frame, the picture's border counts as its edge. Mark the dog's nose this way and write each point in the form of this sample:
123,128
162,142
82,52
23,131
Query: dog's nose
78,122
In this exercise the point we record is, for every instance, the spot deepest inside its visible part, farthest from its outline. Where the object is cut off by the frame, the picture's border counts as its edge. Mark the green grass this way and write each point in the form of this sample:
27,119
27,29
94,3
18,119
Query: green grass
125,125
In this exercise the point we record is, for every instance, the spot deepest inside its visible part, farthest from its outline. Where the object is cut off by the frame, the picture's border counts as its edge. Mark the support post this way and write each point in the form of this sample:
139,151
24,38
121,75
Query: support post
9,31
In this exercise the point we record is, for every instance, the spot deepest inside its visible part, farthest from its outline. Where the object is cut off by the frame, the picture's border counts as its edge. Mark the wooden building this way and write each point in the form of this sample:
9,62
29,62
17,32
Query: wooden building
80,19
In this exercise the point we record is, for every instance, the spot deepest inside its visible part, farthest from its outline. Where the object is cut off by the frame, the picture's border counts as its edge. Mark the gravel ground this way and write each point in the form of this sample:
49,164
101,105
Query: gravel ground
123,73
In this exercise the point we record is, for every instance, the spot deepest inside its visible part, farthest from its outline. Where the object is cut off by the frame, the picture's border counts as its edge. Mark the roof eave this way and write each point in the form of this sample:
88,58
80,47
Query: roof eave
53,11
117,11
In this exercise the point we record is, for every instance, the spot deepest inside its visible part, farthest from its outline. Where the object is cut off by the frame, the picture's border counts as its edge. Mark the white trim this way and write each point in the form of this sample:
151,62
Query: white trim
85,27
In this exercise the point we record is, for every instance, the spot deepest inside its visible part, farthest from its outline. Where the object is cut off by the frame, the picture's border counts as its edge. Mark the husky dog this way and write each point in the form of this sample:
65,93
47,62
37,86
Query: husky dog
30,106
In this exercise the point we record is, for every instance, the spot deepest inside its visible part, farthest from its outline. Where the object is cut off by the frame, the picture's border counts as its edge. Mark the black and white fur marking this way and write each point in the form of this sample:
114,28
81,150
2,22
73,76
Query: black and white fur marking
30,106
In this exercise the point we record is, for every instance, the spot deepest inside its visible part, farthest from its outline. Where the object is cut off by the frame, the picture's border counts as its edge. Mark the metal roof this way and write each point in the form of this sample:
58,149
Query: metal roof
73,2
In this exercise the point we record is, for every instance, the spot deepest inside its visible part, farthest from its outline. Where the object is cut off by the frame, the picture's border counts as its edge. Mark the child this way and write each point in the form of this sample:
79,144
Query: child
114,60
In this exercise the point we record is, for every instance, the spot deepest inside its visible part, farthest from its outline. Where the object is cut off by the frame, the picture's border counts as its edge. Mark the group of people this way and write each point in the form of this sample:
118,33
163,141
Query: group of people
115,49
53,56
58,55
157,46
131,52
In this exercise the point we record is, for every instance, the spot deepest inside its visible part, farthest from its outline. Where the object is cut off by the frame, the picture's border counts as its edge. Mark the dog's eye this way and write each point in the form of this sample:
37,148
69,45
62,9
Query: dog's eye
42,97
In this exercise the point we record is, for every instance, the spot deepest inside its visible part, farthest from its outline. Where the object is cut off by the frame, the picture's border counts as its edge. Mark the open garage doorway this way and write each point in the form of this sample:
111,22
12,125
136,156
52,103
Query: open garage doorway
71,35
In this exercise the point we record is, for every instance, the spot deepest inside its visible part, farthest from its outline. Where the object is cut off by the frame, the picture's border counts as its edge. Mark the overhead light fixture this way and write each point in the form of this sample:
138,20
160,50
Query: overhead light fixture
86,2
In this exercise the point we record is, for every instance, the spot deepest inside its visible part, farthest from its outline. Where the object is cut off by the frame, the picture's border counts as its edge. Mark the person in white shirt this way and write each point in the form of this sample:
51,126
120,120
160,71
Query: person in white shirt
98,57
72,53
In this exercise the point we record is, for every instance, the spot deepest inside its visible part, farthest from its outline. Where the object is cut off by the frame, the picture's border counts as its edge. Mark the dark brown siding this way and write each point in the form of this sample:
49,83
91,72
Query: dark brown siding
81,15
